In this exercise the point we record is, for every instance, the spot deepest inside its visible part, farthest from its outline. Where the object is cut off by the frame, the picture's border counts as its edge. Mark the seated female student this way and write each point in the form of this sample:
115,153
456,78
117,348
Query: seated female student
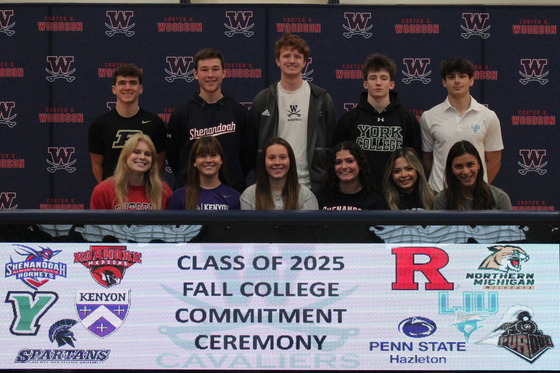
404,183
205,188
466,189
277,186
136,184
348,184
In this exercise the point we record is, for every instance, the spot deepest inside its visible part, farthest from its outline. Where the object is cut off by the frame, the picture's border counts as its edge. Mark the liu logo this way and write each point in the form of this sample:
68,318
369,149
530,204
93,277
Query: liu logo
532,161
5,19
533,70
179,68
475,25
60,68
7,200
416,70
61,159
357,24
239,23
119,22
6,116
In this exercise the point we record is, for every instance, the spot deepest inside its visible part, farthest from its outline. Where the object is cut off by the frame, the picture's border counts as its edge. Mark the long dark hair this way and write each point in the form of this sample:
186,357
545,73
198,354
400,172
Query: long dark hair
290,192
483,199
360,157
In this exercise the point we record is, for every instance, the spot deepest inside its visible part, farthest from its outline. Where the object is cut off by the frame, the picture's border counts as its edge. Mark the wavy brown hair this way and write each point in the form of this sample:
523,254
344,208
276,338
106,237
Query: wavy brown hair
332,180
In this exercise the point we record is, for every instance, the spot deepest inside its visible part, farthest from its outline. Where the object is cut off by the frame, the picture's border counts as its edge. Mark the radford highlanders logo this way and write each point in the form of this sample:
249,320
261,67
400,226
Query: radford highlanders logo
5,19
475,24
417,327
107,264
61,159
6,115
179,68
119,22
102,313
357,25
36,269
28,309
60,68
7,200
416,70
239,23
518,333
532,161
533,70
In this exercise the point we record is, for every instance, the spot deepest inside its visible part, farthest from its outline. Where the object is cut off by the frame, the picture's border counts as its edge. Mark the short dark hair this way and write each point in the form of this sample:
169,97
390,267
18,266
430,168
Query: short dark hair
293,41
207,53
377,62
456,65
128,70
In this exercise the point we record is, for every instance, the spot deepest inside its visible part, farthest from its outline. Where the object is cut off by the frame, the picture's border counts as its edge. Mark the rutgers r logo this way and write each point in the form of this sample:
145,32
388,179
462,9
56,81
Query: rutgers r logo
60,68
6,116
475,25
7,200
239,23
179,68
532,161
357,24
406,266
119,22
533,70
5,19
416,70
61,159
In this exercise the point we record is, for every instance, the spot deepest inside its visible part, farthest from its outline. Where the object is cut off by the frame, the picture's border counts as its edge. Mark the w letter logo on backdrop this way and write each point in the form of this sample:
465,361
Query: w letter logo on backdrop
6,117
532,161
179,68
475,25
61,159
416,70
60,68
533,71
239,23
5,19
119,22
357,24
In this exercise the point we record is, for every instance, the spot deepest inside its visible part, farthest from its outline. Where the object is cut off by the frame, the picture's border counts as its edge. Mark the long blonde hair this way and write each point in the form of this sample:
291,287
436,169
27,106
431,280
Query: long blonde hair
153,185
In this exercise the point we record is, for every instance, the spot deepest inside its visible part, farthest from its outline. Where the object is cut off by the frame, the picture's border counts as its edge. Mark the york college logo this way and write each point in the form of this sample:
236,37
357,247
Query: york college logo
533,70
5,19
532,161
119,22
60,68
239,23
416,70
357,24
475,24
179,67
61,159
6,115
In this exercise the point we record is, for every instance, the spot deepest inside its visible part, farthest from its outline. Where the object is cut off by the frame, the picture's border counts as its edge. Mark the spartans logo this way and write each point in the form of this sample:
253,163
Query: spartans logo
504,258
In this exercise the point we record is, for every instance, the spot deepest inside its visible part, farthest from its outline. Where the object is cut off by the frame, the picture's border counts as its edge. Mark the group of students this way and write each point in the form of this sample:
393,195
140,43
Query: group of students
291,148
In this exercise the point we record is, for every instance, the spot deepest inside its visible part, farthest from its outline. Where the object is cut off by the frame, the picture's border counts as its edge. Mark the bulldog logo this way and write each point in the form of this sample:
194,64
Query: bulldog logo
504,258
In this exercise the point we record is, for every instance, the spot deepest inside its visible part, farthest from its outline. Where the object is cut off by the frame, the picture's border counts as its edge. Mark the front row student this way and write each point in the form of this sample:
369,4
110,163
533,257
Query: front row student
277,186
348,185
136,184
206,187
404,183
466,188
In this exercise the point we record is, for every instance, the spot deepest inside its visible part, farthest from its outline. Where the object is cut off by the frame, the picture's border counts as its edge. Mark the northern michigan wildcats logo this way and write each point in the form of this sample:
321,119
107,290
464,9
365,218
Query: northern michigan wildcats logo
533,70
179,68
532,161
357,24
6,115
416,70
61,159
119,22
5,19
504,258
475,24
239,23
7,200
60,68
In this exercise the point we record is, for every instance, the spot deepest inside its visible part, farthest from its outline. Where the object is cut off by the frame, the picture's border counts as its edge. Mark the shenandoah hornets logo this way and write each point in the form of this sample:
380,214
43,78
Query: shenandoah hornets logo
179,68
357,25
475,24
6,115
532,161
37,268
416,70
119,22
533,70
239,23
504,258
61,159
5,19
60,68
107,264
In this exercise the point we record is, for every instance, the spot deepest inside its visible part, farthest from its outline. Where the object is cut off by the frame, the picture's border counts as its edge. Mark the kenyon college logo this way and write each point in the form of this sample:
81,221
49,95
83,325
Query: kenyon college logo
119,22
61,159
532,161
37,268
475,24
5,19
239,23
416,70
357,25
533,70
179,68
6,115
102,312
60,68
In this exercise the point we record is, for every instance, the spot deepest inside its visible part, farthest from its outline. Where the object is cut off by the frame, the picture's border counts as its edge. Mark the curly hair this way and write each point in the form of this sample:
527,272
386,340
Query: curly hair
291,41
331,180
